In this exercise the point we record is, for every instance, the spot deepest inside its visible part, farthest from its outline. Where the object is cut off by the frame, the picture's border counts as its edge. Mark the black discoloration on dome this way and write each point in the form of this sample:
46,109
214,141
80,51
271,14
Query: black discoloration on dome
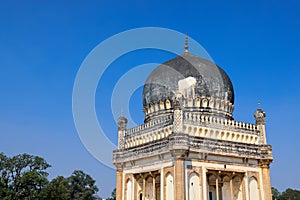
212,81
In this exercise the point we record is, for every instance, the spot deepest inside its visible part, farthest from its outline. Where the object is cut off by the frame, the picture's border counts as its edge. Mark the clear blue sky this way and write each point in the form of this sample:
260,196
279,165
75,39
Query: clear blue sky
43,43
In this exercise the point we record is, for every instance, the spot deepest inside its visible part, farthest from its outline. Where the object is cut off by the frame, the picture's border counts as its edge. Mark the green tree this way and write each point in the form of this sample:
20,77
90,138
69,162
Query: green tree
113,195
79,186
275,194
290,194
82,186
22,176
59,189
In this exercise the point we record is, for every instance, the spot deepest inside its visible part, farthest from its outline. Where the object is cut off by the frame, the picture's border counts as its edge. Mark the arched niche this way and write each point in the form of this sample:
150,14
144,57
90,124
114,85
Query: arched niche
129,190
237,188
169,187
194,187
253,187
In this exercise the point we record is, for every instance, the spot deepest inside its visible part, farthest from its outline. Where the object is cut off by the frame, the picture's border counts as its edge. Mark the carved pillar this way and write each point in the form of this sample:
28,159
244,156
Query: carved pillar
179,179
134,182
231,188
178,114
162,184
246,183
154,188
204,184
122,124
119,185
266,179
217,188
144,187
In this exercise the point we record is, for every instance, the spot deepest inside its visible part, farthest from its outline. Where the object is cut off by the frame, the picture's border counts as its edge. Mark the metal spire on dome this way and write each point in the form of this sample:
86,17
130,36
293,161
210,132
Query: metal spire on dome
258,105
186,46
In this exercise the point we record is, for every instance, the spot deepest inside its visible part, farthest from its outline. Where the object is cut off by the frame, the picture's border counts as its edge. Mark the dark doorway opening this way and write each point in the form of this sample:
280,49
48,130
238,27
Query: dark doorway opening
210,196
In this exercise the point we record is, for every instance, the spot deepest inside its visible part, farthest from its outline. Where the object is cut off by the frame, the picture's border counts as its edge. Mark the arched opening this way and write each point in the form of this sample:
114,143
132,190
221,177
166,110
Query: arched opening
194,187
254,192
226,193
168,105
211,187
237,188
139,188
214,188
169,187
149,188
129,190
157,187
141,196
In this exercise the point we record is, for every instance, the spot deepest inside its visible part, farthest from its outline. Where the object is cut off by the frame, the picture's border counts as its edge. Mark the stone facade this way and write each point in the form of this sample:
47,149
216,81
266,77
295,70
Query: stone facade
191,148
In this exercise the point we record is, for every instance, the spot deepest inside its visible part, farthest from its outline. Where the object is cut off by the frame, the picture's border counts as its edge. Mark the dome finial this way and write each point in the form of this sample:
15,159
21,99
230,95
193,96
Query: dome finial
186,46
258,105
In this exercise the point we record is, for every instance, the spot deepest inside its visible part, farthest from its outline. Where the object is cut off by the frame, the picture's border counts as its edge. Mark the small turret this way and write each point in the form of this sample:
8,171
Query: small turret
178,115
260,118
122,124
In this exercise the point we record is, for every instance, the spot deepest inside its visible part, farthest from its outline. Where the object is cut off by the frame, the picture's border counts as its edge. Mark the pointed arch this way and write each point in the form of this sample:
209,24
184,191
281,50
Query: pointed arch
129,190
253,187
194,187
169,187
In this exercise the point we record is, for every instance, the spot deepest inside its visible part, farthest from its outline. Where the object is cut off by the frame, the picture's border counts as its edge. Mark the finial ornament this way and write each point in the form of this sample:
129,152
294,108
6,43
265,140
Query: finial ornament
186,46
258,105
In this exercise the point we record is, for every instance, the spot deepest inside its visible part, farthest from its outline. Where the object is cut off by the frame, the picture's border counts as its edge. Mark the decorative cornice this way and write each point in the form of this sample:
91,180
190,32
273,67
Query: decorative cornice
188,143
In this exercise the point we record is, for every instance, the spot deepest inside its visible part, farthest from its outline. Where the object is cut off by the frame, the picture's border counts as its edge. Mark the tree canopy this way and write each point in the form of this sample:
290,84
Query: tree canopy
288,194
113,195
25,177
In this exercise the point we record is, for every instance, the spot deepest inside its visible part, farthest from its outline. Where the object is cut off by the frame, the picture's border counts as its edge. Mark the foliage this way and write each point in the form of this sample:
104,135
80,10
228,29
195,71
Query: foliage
288,194
59,189
113,195
275,194
24,177
82,186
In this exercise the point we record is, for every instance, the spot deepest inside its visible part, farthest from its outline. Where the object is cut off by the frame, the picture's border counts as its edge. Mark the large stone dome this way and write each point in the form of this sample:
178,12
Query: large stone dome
211,80
202,86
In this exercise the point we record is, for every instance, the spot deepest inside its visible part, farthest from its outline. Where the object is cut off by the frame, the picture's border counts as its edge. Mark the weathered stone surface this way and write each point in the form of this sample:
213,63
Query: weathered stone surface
211,80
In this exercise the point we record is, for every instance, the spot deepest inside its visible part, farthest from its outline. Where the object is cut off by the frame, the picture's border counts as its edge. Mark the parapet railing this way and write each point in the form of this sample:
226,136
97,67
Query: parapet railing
149,126
220,123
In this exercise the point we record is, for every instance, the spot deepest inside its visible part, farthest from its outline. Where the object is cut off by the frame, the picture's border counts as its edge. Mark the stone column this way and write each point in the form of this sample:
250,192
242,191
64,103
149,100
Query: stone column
266,179
217,188
179,179
162,184
231,188
144,187
134,183
154,189
246,186
178,114
204,184
119,185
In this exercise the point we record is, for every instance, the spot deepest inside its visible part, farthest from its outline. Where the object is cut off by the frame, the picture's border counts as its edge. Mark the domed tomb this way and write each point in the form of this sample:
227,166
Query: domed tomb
211,93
